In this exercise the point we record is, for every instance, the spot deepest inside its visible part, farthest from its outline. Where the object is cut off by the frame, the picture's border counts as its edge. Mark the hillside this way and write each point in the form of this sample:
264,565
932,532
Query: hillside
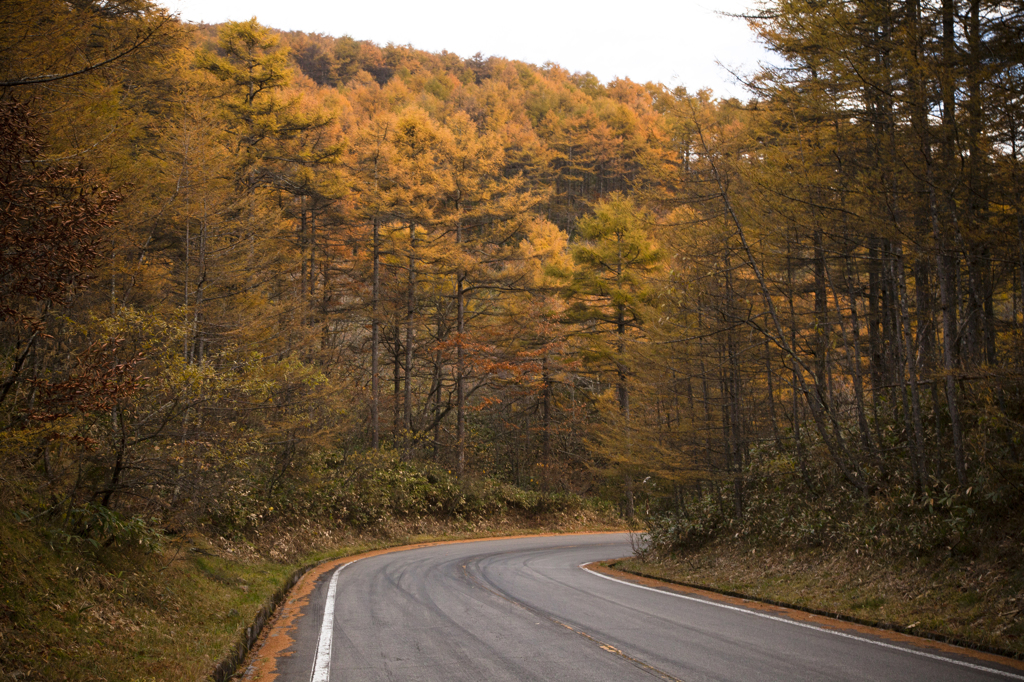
254,281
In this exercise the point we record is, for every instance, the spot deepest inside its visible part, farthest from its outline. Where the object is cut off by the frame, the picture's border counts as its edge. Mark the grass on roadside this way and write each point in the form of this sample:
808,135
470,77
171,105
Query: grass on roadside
121,614
115,615
979,603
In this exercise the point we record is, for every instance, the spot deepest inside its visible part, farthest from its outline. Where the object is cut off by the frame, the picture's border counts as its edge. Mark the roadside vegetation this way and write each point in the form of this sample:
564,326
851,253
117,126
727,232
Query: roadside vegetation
270,292
948,564
132,604
972,603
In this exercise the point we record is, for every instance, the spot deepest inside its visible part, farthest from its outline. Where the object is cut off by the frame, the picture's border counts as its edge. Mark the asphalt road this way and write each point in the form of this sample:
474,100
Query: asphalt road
523,609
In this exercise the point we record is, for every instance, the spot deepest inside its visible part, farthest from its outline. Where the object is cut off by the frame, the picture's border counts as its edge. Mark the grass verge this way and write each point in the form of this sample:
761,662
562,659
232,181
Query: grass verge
973,602
70,613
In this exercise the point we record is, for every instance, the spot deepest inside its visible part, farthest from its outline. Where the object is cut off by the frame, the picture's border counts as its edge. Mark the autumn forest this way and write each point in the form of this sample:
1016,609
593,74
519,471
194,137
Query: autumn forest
244,272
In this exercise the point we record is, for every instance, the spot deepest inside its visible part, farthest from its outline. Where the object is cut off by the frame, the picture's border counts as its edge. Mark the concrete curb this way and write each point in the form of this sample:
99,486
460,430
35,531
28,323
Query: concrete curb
230,664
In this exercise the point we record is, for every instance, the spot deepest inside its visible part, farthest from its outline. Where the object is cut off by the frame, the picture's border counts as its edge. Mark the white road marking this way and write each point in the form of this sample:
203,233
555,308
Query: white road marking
838,633
322,662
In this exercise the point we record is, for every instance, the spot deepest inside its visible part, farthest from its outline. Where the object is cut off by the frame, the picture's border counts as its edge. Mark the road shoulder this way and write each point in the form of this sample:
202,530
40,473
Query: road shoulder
806,617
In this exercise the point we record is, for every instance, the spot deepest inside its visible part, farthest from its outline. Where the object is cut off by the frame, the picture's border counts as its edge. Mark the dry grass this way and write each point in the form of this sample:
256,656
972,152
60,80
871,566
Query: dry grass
111,615
968,601
122,615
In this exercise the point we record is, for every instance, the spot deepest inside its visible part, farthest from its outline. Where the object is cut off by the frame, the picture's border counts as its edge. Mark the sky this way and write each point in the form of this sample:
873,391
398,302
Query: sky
675,42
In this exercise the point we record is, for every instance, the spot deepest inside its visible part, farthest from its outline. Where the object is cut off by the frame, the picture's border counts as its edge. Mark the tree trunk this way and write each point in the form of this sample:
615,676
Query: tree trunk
409,331
855,359
460,364
821,323
945,260
375,342
771,395
546,376
914,413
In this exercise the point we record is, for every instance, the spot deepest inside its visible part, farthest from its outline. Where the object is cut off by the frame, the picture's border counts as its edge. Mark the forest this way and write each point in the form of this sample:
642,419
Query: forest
249,274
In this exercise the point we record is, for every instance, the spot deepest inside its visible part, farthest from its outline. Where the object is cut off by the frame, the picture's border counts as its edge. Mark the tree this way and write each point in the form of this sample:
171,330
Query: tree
606,295
46,42
613,253
51,222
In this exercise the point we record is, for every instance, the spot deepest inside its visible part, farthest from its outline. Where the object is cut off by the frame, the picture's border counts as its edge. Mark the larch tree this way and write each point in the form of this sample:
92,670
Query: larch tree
613,254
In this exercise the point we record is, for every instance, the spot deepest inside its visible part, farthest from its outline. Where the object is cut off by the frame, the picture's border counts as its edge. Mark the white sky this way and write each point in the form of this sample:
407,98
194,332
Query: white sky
674,42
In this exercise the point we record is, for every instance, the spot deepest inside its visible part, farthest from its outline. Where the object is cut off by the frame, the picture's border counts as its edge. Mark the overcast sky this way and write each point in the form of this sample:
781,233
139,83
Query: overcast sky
675,43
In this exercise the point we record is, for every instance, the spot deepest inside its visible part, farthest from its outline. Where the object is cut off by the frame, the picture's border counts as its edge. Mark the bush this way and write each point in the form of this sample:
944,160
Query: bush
373,489
782,510
675,531
398,490
99,526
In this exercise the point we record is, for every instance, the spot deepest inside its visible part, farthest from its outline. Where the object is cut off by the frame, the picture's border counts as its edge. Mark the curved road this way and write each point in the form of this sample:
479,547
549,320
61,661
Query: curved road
524,609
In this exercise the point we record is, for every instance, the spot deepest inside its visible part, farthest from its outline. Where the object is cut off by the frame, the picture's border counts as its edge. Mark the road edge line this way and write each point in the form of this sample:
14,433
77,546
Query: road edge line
322,661
809,626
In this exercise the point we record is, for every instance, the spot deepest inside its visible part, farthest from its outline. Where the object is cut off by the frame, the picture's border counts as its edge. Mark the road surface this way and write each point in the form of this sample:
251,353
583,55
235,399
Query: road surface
524,609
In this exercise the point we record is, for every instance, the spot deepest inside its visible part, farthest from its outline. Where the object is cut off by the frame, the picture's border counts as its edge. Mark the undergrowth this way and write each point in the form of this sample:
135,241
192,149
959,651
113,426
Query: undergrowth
376,494
943,558
783,507
92,595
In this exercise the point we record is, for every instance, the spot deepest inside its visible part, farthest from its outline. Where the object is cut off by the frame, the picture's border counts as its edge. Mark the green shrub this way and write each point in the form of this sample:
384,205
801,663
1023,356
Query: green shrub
675,531
396,490
99,526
